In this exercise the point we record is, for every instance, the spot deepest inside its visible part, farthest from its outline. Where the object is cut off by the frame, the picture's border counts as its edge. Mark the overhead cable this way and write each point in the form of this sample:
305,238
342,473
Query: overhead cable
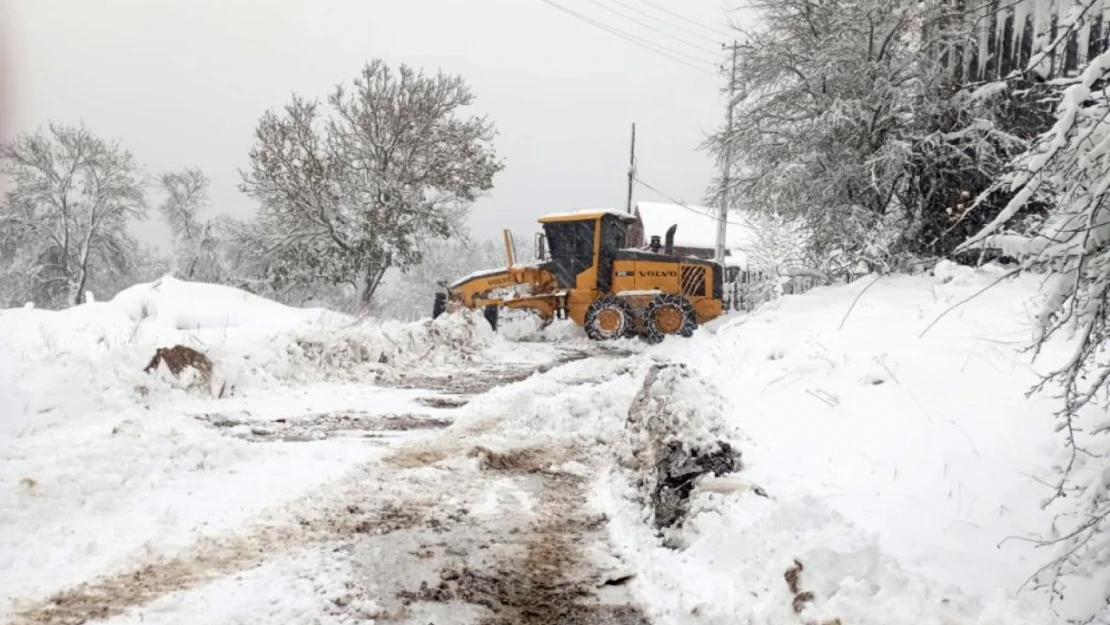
634,39
685,19
671,24
698,46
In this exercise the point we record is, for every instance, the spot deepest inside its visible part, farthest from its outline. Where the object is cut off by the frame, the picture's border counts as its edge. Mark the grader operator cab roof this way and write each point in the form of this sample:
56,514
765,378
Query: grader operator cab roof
582,215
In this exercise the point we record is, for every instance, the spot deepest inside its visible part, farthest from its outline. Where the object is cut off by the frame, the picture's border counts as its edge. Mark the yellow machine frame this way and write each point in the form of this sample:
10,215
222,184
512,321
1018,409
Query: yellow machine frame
636,277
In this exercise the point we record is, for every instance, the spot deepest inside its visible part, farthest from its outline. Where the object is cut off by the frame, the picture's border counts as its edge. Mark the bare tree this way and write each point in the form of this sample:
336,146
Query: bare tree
351,190
66,215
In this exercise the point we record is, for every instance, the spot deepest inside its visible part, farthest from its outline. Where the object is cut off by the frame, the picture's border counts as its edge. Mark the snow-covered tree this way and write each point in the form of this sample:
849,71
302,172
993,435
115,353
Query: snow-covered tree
351,189
846,115
1070,164
196,241
64,220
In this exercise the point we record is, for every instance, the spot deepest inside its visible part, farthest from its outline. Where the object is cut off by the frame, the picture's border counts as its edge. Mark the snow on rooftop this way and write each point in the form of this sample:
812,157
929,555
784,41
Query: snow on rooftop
697,225
587,211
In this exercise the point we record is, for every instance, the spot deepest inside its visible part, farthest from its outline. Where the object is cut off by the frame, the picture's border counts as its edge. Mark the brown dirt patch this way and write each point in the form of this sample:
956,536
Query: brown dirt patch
443,402
113,595
549,581
177,358
523,460
421,456
323,425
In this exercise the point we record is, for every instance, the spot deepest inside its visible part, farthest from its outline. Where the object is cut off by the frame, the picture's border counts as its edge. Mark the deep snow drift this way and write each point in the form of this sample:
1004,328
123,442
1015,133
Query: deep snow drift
926,445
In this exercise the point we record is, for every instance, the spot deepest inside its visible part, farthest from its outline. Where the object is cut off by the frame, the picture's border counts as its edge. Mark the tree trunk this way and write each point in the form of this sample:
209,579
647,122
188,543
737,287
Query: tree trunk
371,279
75,290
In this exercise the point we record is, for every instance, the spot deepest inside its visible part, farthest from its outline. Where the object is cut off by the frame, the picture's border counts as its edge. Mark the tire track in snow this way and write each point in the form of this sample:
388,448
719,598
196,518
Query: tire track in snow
211,559
548,579
511,568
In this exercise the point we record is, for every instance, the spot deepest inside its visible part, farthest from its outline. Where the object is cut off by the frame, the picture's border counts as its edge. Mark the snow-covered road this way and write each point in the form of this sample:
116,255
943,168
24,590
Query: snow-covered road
432,520
433,473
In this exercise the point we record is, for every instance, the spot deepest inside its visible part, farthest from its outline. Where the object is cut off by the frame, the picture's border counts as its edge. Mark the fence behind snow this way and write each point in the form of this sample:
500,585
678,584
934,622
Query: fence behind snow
750,289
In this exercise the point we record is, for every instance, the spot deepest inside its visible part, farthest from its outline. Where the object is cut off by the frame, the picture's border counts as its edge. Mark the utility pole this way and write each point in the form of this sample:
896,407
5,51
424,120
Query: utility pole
631,171
722,211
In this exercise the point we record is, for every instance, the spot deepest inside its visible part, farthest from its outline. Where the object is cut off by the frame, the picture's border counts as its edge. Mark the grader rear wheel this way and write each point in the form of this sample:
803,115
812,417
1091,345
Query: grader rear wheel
669,314
609,318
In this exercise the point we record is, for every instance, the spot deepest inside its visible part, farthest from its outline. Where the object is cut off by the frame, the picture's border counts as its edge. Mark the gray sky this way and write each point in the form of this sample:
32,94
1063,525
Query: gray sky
183,82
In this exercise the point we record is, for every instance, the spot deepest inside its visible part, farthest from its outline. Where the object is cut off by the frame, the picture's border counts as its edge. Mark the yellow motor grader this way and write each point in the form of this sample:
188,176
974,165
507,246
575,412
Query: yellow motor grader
584,272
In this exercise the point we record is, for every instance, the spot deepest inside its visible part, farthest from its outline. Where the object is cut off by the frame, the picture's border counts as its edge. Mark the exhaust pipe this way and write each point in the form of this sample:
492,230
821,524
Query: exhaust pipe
668,247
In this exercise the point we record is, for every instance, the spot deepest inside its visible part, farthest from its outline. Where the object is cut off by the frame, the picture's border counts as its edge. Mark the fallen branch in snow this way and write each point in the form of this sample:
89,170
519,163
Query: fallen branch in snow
829,400
1008,274
855,301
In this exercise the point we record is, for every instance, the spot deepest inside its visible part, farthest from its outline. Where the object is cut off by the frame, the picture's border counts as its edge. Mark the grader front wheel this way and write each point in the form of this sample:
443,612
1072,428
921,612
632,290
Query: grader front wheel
669,314
609,318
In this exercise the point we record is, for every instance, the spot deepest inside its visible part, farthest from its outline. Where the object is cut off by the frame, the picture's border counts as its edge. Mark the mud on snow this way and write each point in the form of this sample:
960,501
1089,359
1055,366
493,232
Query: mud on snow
482,518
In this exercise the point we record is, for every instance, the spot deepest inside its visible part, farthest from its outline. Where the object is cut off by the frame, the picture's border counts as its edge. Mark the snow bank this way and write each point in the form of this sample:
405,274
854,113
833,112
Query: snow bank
58,364
734,556
196,305
676,437
13,409
927,444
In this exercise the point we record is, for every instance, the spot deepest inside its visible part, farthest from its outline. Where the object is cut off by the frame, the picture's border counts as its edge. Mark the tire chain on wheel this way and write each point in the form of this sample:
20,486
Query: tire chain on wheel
610,302
689,317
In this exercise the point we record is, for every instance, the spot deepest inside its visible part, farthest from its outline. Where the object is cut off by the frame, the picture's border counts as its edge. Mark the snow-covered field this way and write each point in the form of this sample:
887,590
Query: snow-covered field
340,471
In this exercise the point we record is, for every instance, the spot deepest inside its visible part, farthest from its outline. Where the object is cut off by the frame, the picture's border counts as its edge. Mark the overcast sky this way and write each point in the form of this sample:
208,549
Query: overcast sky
183,82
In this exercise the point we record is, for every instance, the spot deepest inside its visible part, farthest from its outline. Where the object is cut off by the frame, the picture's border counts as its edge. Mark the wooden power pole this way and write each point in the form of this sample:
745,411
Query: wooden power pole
726,183
631,171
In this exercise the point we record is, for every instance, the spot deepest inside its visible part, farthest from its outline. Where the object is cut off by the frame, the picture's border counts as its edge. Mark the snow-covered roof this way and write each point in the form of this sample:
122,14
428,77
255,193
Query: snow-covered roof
697,225
587,212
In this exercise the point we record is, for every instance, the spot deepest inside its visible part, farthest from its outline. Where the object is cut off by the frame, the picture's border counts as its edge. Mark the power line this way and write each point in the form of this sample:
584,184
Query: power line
665,33
687,207
661,20
643,43
673,14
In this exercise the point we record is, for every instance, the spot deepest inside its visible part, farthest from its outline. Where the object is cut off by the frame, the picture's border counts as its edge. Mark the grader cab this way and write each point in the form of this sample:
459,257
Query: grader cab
584,272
